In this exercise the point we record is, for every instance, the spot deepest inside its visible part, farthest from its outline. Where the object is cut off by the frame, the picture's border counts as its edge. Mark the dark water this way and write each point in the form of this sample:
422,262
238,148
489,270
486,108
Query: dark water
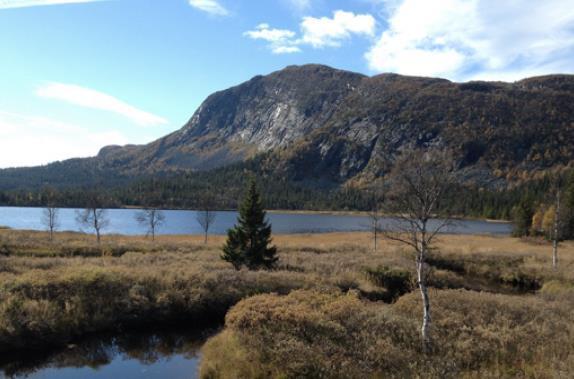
165,354
122,221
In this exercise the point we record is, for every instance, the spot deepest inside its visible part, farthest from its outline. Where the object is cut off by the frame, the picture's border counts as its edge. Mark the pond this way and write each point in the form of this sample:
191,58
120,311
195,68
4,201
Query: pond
161,354
123,221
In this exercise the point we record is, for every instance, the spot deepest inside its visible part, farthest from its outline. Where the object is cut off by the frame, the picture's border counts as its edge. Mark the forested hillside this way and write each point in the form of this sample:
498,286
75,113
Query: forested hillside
321,138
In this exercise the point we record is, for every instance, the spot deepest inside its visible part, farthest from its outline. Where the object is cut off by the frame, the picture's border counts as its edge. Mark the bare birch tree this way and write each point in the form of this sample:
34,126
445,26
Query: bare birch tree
420,181
50,214
206,215
557,232
375,218
50,219
152,219
94,216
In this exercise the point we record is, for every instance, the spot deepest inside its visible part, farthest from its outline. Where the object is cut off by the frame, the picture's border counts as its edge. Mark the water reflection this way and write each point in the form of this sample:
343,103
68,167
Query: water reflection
123,221
164,354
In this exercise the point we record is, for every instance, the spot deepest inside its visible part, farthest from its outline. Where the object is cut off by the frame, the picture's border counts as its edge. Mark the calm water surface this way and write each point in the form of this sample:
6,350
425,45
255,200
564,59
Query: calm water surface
166,354
122,221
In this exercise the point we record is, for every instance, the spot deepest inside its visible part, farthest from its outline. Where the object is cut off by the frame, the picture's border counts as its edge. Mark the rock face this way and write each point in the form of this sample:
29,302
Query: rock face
493,128
265,113
319,123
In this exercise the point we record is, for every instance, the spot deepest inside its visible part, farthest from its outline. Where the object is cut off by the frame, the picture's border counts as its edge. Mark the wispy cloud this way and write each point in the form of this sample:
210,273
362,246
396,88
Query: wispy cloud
316,32
476,39
210,6
280,40
50,140
6,4
90,98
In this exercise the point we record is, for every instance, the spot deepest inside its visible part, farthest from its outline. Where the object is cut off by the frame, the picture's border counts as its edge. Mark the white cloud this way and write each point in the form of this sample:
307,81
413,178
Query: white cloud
210,6
280,40
6,4
476,39
324,31
264,32
285,49
33,140
316,32
90,98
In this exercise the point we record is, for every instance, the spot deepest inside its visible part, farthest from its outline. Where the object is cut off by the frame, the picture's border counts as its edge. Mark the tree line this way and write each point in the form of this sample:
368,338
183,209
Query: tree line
548,214
192,190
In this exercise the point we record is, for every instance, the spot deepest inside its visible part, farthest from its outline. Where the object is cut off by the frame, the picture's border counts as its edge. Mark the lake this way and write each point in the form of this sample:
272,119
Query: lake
123,221
161,354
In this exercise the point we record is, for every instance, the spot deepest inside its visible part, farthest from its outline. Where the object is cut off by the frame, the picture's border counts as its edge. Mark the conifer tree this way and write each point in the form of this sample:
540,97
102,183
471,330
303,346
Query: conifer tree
522,217
248,242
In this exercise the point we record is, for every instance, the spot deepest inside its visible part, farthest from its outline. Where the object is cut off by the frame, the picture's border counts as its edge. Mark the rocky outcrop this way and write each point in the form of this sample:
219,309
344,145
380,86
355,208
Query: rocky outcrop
263,114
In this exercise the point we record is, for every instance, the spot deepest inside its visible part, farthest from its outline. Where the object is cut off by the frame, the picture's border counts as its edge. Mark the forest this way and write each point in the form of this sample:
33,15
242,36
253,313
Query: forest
190,191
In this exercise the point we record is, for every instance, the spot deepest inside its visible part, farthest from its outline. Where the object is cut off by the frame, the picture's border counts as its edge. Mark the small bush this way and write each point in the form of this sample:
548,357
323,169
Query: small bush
446,263
554,287
395,280
521,281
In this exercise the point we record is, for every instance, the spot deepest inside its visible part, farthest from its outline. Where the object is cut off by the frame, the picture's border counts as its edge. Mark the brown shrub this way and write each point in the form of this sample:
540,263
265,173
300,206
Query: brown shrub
310,334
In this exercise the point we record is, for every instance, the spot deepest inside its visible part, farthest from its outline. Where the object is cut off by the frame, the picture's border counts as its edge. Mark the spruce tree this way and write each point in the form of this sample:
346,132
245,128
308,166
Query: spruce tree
248,242
522,217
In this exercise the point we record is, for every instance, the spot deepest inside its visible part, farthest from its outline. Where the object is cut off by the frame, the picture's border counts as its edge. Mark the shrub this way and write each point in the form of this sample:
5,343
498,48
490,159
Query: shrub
396,280
329,335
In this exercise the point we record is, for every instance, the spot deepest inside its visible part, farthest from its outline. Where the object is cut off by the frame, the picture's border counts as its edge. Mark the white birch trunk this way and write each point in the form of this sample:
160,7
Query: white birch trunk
556,232
421,278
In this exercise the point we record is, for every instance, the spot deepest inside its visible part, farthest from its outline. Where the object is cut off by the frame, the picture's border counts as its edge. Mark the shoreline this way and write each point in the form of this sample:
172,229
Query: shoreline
114,237
349,213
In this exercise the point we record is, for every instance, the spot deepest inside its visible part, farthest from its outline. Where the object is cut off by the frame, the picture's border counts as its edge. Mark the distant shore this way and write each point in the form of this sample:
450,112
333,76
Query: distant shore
350,213
367,214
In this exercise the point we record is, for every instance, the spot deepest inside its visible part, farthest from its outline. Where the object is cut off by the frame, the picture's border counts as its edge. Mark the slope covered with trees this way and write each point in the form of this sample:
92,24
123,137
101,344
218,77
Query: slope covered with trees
320,138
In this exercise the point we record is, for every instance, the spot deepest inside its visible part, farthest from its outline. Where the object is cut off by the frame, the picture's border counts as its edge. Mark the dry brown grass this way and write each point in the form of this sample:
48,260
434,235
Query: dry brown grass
51,293
329,335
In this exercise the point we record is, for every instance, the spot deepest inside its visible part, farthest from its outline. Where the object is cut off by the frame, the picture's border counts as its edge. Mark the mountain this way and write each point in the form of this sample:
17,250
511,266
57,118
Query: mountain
265,113
316,124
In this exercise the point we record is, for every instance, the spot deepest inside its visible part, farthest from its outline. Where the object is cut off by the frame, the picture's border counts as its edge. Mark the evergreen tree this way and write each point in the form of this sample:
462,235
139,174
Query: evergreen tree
248,242
522,217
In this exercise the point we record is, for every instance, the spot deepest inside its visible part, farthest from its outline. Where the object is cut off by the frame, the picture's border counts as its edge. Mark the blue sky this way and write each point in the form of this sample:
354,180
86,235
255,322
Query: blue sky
81,74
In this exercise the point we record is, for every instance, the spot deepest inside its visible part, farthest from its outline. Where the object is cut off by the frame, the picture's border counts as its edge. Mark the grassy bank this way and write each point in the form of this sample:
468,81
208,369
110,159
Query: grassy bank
53,293
499,311
330,335
353,311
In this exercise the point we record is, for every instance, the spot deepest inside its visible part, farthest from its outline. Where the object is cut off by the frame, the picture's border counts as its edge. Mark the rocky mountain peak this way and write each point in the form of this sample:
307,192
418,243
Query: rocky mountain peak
320,123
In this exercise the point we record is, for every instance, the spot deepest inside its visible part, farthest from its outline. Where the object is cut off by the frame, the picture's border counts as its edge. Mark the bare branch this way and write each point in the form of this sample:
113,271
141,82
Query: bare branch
51,220
94,216
206,215
151,219
419,182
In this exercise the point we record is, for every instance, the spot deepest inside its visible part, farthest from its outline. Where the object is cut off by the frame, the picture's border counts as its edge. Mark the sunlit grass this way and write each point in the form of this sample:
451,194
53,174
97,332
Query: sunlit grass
53,292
